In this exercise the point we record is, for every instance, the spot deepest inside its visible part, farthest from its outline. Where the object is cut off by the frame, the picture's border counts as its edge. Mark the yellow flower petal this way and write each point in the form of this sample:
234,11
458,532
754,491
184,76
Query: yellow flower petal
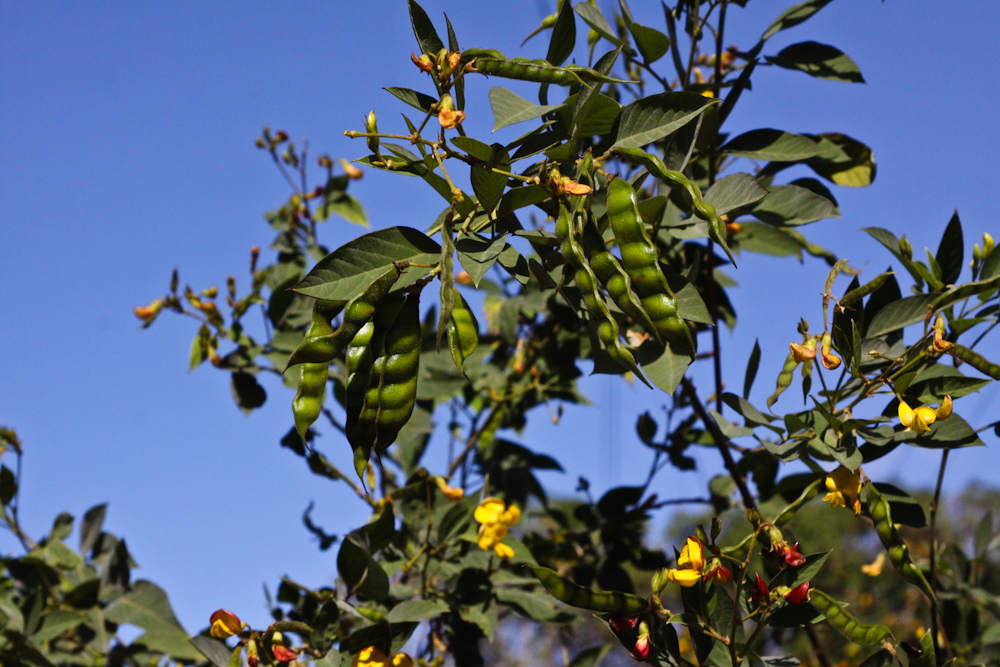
370,657
401,660
923,417
691,556
905,414
874,568
845,488
511,516
490,510
685,578
944,411
490,534
503,551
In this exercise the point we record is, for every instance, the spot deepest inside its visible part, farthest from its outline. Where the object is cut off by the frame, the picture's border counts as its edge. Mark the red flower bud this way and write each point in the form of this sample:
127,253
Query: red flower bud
798,594
623,623
760,594
641,650
283,654
793,556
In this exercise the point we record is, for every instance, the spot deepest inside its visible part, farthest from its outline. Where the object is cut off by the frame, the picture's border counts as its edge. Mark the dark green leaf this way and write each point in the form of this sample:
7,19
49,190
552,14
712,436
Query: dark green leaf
819,60
938,381
563,35
477,254
964,291
952,433
652,118
991,266
663,366
423,30
360,572
325,626
853,165
8,485
147,607
247,392
216,652
90,527
510,108
413,98
475,148
349,270
951,251
906,509
765,239
593,17
652,43
752,367
734,191
417,610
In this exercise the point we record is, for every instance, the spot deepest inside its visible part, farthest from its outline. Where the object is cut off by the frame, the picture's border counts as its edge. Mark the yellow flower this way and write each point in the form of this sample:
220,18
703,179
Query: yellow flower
450,492
401,660
844,488
692,556
874,568
495,516
224,624
690,564
918,420
802,353
370,657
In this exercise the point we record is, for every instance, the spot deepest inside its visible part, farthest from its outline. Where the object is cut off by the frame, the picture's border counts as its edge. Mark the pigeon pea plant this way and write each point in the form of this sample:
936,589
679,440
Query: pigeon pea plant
600,238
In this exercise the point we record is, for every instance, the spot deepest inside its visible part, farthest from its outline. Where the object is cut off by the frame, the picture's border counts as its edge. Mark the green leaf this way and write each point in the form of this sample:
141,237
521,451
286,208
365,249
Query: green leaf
147,607
423,30
8,485
898,314
690,305
213,649
792,17
593,17
247,392
361,574
794,205
477,254
652,118
662,365
991,266
853,165
563,35
537,606
57,622
752,367
510,108
475,148
951,250
733,192
766,240
819,60
906,509
415,99
417,610
652,43
952,433
90,527
937,381
773,145
488,185
350,269
564,590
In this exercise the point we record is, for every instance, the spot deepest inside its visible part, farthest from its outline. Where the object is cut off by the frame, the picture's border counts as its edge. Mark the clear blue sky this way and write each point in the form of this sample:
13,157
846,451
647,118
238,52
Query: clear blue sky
127,150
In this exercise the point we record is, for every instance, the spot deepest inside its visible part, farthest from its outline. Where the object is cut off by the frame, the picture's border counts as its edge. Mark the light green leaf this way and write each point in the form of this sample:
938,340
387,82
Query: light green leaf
662,366
652,43
960,292
350,269
477,254
819,60
593,17
773,145
792,205
792,17
652,118
510,108
417,610
734,191
147,607
766,240
898,314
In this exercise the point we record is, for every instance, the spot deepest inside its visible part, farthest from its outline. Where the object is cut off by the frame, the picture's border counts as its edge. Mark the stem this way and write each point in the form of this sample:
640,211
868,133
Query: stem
817,646
722,442
935,503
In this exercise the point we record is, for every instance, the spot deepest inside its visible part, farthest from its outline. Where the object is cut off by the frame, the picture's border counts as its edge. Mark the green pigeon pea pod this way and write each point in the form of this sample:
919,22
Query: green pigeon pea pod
359,368
611,274
463,332
323,349
895,546
493,63
976,360
308,402
593,300
611,602
701,208
845,623
784,379
392,380
642,265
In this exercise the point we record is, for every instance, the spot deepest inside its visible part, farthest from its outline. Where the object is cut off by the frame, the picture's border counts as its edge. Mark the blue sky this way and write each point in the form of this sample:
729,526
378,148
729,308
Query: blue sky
127,150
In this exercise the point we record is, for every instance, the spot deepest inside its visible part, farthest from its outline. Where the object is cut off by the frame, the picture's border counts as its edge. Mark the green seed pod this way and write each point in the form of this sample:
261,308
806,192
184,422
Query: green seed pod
845,623
493,63
611,602
895,546
359,366
308,402
861,292
784,379
641,262
976,360
607,328
463,332
323,349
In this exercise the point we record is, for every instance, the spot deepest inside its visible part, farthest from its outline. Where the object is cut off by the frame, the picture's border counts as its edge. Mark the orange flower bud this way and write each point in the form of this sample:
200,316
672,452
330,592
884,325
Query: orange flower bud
570,187
733,228
354,173
450,492
148,312
224,624
802,353
423,63
454,60
463,278
830,360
